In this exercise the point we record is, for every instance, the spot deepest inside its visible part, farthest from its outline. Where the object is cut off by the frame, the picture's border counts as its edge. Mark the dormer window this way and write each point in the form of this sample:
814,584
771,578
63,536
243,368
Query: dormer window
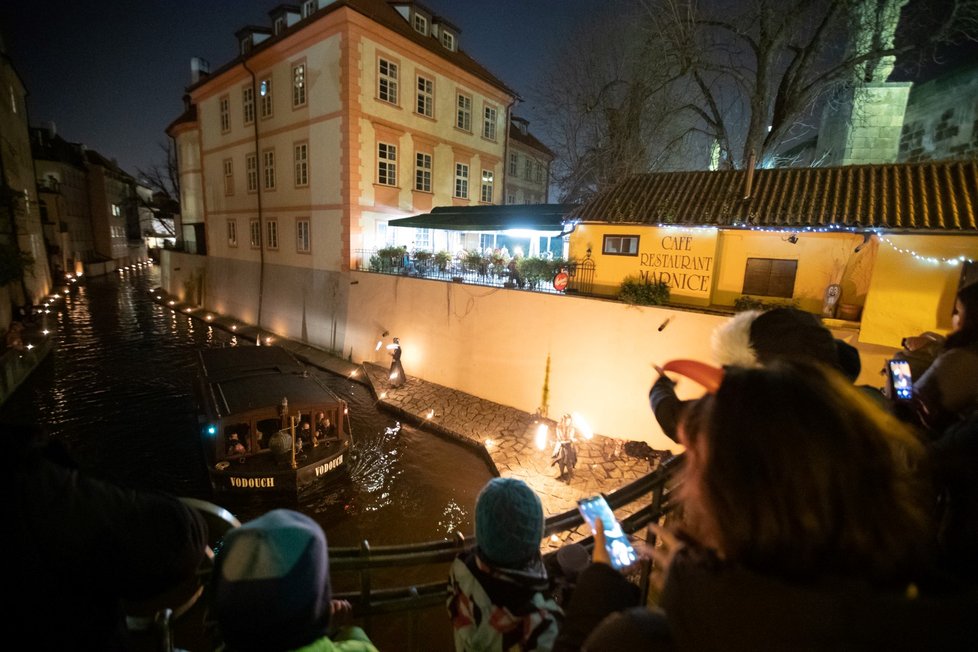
279,24
448,39
246,44
308,8
421,24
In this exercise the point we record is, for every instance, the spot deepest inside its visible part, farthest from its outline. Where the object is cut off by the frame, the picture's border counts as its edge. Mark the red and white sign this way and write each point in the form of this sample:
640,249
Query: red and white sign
560,281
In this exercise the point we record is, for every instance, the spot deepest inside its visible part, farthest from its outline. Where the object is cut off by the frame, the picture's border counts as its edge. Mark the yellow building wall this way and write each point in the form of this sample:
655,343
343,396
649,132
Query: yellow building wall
706,266
907,295
823,259
683,258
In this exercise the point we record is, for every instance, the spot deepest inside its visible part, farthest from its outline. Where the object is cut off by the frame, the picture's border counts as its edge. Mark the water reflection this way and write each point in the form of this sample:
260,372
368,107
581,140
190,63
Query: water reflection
118,390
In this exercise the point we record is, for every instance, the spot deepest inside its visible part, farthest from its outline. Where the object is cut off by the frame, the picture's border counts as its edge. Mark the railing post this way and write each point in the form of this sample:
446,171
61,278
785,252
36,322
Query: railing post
365,584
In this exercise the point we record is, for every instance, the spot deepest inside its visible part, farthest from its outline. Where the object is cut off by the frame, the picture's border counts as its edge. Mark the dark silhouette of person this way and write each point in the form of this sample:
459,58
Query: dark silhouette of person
80,547
396,376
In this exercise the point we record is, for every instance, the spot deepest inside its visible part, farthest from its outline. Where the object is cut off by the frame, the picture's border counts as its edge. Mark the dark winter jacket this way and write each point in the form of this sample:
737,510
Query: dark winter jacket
75,547
708,605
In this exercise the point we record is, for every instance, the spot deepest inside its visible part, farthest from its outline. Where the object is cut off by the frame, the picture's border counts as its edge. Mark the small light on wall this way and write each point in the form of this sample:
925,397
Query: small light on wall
431,414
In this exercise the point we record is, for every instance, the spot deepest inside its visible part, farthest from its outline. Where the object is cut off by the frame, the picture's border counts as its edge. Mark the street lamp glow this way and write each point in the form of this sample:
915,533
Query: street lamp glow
581,425
541,436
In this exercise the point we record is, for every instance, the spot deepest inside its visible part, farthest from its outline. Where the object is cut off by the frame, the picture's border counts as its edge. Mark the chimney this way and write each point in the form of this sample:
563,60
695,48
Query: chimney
749,179
199,68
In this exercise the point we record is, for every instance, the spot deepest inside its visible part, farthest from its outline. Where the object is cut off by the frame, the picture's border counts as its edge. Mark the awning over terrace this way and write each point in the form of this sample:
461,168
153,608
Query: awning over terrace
512,217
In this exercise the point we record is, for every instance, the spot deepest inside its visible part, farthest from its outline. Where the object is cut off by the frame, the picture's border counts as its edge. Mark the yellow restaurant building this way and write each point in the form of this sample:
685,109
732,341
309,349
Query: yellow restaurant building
886,246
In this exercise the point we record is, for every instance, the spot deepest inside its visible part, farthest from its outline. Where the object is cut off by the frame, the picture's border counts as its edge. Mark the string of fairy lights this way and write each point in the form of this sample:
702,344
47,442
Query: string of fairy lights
830,228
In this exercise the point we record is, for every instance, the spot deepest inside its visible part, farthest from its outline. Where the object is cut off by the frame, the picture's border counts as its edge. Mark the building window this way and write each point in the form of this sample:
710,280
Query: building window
619,245
298,85
302,164
117,210
302,236
510,199
248,103
514,161
539,172
422,172
461,180
255,234
528,170
487,179
265,91
251,167
422,239
421,24
448,40
426,97
271,226
489,123
268,168
387,81
228,177
225,105
386,164
770,277
463,119
232,232
308,8
278,25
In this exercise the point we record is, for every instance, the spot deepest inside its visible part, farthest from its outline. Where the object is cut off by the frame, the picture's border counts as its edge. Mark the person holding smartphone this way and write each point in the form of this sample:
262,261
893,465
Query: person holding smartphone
843,558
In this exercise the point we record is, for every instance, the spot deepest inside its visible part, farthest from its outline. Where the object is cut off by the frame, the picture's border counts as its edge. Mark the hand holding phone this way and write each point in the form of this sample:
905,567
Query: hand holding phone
619,550
899,379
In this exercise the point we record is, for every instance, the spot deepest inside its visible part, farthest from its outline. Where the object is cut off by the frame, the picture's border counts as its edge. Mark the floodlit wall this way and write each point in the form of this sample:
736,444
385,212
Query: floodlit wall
490,342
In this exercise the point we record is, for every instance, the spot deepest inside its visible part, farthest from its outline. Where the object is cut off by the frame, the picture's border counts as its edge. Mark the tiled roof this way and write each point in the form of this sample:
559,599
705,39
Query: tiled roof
940,196
381,12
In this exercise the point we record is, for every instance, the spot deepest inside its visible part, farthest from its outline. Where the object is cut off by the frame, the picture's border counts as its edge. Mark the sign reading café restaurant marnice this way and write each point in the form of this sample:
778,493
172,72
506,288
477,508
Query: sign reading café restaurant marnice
681,258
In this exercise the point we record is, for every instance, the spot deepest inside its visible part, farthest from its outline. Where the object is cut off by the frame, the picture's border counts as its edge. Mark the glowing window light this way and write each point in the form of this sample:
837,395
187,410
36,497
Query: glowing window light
268,340
45,331
209,317
234,327
171,302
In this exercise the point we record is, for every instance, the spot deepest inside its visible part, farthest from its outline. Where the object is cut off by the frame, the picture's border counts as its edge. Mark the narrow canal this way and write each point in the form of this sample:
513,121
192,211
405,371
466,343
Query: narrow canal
117,390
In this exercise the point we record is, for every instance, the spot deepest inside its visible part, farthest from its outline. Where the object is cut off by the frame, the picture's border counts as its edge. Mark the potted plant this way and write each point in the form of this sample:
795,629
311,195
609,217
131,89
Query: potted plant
442,259
422,261
639,292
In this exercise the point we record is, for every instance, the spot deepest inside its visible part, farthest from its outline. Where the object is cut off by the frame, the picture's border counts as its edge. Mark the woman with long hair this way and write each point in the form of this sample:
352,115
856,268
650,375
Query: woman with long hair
805,524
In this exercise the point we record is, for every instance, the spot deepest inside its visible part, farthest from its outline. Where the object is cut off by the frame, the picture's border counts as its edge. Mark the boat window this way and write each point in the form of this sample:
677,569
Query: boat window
303,426
267,428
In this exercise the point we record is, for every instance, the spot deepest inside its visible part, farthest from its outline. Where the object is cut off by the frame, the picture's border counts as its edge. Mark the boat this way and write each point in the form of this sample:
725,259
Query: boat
268,425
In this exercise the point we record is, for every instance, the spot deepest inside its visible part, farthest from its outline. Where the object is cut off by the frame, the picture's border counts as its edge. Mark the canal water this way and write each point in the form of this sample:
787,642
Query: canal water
118,390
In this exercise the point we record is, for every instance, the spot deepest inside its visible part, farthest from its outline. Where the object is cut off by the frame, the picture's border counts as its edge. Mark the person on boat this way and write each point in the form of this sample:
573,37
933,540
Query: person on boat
236,447
324,427
78,547
271,589
396,376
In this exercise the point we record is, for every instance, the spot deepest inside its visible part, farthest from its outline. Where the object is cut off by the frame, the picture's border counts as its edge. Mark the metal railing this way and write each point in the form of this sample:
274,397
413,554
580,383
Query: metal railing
460,270
648,499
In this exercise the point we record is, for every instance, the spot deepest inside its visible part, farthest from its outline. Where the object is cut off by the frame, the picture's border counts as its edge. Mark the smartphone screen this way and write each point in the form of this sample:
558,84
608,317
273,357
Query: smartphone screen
620,550
901,380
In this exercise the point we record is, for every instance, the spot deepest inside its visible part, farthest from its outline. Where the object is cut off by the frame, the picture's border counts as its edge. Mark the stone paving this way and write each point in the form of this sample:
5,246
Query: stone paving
505,435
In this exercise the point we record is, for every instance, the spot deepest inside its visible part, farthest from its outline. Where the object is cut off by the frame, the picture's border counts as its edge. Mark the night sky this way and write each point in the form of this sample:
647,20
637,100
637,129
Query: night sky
111,74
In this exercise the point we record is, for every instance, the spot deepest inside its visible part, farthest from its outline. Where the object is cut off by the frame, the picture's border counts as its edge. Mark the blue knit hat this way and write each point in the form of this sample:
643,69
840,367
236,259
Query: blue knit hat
271,583
508,523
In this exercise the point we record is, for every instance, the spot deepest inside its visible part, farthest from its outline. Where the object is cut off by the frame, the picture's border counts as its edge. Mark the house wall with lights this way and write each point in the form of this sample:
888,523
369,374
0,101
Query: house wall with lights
349,121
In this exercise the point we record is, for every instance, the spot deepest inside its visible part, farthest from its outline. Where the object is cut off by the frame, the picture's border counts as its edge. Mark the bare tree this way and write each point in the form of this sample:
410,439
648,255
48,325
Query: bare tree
742,78
163,179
